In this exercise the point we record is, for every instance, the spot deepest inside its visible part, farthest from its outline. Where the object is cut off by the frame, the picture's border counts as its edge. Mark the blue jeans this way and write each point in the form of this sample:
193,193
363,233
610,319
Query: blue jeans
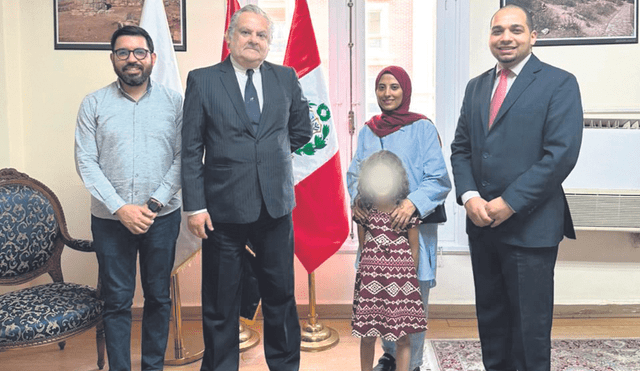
117,250
416,339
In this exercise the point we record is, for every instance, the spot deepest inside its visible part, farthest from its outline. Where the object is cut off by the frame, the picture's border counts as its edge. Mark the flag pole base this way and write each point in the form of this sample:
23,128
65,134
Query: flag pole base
248,338
317,337
185,359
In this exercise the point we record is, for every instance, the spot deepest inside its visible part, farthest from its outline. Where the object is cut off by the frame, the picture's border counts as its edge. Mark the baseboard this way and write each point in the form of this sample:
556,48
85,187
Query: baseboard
597,311
187,313
441,311
446,311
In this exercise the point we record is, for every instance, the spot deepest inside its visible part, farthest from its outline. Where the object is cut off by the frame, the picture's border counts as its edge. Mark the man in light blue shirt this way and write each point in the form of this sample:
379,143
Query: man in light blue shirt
127,148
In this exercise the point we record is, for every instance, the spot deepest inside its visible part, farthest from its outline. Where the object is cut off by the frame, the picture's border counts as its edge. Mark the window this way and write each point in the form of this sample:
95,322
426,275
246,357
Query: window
377,29
411,30
374,29
281,13
408,33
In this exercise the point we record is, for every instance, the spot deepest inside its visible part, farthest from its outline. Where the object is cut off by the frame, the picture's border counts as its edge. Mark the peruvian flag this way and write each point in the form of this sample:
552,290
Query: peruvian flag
232,7
320,218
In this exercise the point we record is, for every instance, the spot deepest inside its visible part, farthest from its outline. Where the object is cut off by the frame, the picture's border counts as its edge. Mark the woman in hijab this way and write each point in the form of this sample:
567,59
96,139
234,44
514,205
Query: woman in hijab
414,139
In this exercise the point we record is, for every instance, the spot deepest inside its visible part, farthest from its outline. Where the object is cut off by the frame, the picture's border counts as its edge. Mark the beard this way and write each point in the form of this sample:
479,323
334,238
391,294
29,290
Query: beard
505,60
134,80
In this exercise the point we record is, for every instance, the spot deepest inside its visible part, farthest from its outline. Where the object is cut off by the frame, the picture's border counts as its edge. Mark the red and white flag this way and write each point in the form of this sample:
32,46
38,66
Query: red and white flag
320,218
232,7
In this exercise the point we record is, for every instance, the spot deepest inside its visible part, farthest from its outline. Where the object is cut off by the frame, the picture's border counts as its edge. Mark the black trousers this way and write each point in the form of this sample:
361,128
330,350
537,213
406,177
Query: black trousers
222,264
514,304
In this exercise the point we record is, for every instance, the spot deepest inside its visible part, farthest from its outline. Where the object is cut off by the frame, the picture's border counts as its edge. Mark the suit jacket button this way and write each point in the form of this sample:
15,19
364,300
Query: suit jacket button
485,155
485,183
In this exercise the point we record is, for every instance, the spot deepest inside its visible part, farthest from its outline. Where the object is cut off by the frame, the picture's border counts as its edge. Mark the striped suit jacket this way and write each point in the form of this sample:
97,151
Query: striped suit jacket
242,166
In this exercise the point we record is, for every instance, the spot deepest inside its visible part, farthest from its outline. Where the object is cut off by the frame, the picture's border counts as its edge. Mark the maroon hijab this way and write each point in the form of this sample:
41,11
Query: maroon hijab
391,121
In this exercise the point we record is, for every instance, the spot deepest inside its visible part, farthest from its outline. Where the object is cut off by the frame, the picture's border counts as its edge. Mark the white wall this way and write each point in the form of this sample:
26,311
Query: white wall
41,90
4,122
608,74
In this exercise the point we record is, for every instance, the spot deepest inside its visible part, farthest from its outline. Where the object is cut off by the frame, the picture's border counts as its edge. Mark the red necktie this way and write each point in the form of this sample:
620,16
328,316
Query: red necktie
498,96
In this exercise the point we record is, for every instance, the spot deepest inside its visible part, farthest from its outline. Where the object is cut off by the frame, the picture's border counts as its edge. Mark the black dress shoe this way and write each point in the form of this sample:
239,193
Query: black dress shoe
386,363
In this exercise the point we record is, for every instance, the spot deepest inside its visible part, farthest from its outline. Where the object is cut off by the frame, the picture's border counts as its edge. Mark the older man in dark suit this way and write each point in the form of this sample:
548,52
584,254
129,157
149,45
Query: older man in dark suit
246,116
517,139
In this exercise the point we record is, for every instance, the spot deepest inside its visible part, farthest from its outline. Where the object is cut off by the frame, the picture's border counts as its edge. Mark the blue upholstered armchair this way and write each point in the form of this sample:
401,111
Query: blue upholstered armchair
33,232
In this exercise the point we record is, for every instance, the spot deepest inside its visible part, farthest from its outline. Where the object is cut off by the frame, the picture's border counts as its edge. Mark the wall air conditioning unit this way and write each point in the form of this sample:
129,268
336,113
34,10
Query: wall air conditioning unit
603,209
603,190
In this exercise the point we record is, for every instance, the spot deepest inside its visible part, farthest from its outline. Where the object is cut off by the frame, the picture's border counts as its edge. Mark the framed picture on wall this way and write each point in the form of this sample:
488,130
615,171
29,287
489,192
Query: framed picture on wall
89,24
581,22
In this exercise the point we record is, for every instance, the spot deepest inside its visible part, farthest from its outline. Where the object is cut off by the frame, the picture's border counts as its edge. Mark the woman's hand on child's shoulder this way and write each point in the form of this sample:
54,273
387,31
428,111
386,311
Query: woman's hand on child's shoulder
359,212
402,214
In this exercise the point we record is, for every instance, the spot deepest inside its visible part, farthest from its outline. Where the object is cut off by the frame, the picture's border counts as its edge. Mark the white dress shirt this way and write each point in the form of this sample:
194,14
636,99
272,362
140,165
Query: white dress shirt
241,75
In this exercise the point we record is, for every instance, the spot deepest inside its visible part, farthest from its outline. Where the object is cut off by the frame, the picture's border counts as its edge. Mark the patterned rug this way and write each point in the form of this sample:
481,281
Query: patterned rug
566,355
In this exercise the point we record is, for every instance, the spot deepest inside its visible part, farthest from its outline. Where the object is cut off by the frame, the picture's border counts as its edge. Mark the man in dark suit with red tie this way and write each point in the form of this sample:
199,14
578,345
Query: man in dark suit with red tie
246,116
517,139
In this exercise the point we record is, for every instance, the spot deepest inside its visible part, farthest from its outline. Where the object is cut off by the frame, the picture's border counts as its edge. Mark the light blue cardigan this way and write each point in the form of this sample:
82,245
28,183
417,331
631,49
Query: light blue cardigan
418,146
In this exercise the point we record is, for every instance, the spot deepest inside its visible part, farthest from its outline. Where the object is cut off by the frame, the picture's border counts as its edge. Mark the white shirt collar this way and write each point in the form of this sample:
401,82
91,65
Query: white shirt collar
241,70
515,69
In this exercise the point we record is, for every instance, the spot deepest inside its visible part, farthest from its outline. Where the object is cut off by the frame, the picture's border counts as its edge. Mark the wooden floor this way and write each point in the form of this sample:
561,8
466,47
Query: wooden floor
79,353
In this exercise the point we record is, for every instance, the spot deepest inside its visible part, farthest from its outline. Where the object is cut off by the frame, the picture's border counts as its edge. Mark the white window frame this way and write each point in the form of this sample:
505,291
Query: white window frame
452,75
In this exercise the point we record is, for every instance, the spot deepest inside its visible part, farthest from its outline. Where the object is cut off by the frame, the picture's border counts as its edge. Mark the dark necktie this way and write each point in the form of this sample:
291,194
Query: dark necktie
498,96
251,99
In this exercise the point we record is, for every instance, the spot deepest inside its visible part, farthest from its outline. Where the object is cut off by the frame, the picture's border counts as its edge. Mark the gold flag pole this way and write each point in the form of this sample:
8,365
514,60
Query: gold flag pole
181,355
249,338
315,336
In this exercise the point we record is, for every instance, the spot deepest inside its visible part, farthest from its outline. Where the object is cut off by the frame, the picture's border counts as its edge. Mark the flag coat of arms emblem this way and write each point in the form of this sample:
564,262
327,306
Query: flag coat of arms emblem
320,219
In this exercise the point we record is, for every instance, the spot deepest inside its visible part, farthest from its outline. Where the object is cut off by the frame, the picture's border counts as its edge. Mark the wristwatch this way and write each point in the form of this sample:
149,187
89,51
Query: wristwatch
154,205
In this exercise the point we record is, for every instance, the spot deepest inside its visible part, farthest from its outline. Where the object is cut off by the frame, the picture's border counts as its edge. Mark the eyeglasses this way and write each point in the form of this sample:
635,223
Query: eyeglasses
123,54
